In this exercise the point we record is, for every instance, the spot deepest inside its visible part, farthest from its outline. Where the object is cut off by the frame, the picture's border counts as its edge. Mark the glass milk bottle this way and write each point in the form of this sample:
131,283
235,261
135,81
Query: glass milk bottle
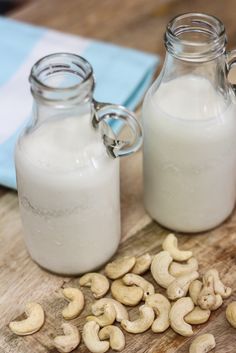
189,121
67,170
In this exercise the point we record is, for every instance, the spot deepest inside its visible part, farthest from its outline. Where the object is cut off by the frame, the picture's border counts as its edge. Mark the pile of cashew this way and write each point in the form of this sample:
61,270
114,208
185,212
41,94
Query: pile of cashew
188,301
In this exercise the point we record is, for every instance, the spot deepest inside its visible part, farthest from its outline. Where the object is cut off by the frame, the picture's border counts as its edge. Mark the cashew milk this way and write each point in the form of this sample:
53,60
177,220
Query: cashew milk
69,195
189,154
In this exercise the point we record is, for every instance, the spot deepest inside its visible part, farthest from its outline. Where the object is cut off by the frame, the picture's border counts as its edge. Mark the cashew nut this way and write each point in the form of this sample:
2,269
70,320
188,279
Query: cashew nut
219,287
120,267
99,283
194,290
179,287
128,295
178,311
207,298
69,341
231,314
161,307
142,264
132,279
91,338
171,244
160,269
143,323
115,336
218,302
76,305
121,312
197,316
177,269
203,344
33,322
107,318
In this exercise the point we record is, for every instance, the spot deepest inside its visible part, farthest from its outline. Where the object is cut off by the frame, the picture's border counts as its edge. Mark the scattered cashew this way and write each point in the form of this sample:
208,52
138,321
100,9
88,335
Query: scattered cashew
128,295
99,283
143,323
231,314
120,267
194,290
161,307
132,279
197,316
178,311
207,297
160,269
121,312
91,338
179,287
177,269
107,318
33,322
115,336
202,344
219,287
170,244
142,264
178,278
69,341
76,304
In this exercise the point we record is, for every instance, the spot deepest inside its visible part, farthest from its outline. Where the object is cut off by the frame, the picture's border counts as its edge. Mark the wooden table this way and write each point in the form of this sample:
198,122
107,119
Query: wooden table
139,24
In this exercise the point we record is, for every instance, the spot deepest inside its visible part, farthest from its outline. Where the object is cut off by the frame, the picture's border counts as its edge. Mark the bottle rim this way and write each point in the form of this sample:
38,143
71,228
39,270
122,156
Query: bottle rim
61,63
195,36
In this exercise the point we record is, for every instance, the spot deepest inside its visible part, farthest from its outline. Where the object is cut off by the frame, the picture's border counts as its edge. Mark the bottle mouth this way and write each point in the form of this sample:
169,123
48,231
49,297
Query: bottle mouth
195,37
62,77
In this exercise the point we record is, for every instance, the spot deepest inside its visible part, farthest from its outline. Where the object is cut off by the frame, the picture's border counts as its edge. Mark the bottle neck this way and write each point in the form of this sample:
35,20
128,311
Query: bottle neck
62,86
196,47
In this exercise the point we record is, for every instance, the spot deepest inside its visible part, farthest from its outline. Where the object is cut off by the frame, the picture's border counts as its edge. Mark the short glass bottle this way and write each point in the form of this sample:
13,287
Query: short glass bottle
67,170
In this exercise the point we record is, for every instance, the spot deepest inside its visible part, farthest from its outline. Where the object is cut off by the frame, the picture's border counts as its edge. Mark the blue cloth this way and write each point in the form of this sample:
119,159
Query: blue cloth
122,77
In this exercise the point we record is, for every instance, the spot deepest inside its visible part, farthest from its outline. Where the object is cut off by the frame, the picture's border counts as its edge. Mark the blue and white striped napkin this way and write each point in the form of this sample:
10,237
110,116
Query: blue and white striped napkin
122,77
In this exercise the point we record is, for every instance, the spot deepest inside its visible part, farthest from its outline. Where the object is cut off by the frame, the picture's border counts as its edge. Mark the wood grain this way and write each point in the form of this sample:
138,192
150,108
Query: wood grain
139,24
134,23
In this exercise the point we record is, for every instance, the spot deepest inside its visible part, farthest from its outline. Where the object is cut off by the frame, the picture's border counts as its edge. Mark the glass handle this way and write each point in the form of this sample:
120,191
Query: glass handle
230,63
116,117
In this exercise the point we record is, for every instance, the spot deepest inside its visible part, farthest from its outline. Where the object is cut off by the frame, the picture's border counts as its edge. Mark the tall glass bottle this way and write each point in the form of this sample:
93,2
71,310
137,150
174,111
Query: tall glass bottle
189,121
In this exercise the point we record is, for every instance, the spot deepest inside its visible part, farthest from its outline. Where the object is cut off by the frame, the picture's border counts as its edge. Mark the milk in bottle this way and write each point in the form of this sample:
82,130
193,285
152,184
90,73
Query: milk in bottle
69,196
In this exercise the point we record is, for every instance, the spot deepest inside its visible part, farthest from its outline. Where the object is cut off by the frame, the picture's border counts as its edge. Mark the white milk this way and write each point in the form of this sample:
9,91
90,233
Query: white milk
69,196
189,155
